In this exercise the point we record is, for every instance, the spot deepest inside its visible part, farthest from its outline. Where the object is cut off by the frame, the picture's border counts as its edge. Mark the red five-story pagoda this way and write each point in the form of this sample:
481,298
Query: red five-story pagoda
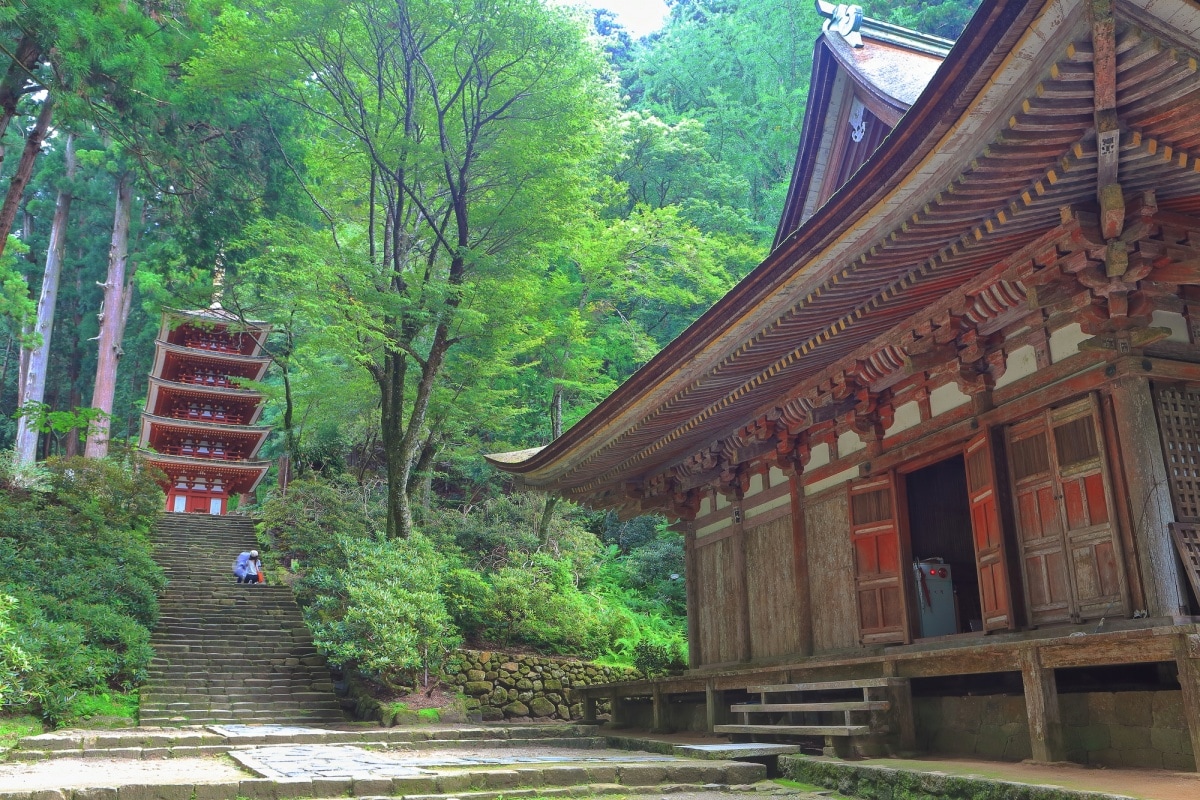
199,423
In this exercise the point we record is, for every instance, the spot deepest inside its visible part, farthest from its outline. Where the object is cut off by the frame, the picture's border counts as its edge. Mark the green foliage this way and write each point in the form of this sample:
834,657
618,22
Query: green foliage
14,728
20,673
482,574
945,18
653,659
382,611
75,562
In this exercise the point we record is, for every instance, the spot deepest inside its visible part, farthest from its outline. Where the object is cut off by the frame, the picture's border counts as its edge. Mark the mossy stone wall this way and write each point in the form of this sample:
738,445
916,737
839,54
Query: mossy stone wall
505,686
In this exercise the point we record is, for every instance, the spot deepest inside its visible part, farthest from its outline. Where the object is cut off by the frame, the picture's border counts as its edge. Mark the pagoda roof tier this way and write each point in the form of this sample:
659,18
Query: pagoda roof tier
152,424
177,322
239,476
999,152
162,391
169,357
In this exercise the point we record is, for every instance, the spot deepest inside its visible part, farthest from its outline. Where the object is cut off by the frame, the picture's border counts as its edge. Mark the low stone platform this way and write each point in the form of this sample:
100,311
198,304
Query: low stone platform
207,740
282,762
734,751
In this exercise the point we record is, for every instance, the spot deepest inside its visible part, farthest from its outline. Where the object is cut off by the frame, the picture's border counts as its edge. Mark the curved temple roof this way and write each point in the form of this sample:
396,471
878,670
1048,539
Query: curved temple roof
1001,139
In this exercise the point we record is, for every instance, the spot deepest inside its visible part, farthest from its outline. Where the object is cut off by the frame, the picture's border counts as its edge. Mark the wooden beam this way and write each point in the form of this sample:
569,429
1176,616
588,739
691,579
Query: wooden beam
742,586
1041,706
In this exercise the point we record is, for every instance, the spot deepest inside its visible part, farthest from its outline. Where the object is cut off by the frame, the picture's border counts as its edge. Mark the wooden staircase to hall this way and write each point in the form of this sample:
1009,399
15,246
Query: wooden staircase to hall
850,715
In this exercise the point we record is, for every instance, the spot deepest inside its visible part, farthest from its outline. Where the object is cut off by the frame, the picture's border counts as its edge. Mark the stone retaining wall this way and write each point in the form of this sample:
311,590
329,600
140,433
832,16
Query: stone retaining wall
502,686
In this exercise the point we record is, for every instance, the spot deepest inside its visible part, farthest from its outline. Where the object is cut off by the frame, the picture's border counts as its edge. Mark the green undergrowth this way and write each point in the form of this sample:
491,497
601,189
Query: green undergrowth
808,787
78,589
14,728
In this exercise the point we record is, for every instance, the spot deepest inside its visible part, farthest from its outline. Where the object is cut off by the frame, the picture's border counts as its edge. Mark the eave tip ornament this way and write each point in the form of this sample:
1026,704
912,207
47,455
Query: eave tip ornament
843,19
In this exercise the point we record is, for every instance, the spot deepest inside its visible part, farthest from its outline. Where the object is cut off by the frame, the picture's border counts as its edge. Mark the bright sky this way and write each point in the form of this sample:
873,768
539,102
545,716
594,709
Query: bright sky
638,16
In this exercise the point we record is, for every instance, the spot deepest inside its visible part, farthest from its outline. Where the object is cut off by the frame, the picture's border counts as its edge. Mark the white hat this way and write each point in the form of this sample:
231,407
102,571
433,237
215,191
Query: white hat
254,554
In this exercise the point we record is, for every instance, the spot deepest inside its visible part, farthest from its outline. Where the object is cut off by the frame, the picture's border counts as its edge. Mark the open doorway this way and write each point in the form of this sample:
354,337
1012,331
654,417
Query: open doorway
939,524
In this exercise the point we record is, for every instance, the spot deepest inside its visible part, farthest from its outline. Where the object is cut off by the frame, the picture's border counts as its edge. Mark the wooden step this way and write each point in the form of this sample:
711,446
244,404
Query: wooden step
825,686
800,730
855,705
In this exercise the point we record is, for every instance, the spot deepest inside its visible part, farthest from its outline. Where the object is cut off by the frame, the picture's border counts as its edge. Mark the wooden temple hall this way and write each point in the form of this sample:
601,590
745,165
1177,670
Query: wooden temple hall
937,459
200,423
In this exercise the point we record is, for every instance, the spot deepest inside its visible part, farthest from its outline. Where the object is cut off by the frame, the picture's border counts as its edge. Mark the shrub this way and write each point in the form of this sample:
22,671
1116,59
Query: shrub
75,560
382,612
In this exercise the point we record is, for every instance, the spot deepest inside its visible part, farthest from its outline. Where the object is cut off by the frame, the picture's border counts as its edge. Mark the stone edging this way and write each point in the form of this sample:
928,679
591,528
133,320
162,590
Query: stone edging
873,781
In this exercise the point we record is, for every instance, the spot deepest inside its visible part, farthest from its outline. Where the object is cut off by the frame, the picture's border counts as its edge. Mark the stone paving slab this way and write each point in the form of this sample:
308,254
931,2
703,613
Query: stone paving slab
330,761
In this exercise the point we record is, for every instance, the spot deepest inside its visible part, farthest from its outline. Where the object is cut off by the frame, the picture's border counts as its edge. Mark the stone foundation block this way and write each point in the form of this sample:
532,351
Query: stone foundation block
217,791
367,787
745,773
96,793
149,791
601,774
642,774
453,784
294,788
414,784
564,776
693,774
50,794
332,787
500,778
258,789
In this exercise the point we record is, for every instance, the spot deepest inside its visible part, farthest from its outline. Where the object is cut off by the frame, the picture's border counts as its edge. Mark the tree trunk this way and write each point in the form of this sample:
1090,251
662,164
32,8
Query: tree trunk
543,526
75,364
14,84
20,178
111,320
34,378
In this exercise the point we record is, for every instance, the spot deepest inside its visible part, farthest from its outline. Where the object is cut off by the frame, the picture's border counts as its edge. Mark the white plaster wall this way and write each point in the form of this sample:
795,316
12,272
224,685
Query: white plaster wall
946,398
832,480
1173,320
818,456
1020,362
849,442
716,527
706,507
775,476
1065,341
756,486
908,415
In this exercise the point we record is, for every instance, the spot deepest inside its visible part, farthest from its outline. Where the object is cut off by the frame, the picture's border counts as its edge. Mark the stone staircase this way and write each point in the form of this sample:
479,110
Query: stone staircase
224,652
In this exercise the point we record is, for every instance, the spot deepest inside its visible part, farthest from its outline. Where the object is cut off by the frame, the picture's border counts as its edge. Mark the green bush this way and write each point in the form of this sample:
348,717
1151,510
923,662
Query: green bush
75,561
382,612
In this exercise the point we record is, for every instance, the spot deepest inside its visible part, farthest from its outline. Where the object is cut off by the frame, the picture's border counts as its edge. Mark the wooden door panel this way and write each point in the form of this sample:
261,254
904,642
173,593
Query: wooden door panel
879,580
1095,569
1039,525
987,534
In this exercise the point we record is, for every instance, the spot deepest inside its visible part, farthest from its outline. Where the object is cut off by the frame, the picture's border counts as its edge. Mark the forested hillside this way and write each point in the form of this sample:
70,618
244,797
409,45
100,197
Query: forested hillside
467,223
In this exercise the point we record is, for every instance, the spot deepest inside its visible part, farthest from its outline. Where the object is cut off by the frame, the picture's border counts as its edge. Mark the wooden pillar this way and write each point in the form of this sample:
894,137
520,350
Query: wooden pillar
1041,706
589,708
691,585
804,620
659,710
712,703
901,716
616,717
1187,660
1149,496
741,583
